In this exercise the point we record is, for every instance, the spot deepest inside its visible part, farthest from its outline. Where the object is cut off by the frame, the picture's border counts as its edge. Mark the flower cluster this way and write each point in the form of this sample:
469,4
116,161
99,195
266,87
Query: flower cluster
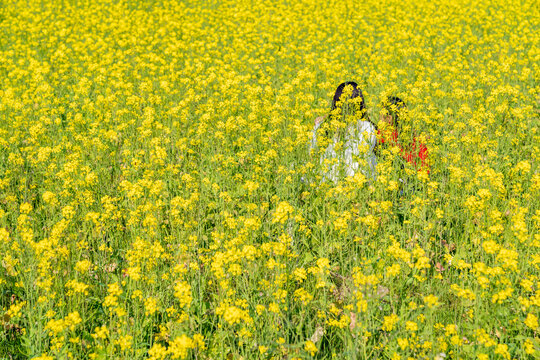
159,198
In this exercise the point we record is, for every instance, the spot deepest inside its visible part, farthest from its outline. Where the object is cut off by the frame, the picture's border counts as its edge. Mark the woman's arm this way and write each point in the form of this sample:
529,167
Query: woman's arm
318,122
370,136
423,155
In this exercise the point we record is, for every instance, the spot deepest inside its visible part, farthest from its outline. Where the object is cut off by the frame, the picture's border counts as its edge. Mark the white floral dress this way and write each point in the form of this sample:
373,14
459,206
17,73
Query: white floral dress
357,153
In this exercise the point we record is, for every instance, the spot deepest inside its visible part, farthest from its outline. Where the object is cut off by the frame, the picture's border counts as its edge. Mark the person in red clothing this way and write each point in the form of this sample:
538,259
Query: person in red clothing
415,153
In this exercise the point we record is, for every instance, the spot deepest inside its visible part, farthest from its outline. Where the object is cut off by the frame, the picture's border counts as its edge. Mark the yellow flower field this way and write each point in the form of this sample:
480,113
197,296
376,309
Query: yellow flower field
158,198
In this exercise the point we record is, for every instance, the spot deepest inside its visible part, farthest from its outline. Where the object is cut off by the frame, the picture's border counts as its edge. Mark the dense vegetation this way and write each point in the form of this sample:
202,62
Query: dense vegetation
151,201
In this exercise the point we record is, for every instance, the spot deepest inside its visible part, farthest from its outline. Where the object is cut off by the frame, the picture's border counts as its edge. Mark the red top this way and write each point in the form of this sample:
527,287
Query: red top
416,153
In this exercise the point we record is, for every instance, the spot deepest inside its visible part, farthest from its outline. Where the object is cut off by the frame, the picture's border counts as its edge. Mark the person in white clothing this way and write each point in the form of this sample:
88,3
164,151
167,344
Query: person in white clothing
345,139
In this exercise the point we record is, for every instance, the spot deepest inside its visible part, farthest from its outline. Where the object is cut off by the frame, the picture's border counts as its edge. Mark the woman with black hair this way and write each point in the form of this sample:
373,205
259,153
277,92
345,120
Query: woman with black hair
414,152
345,138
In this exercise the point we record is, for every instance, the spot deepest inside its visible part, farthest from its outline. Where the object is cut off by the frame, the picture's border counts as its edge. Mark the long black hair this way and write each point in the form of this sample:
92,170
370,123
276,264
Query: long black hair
394,106
355,94
359,106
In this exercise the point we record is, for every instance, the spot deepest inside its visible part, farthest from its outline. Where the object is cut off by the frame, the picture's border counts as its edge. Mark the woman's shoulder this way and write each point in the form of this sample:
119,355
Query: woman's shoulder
367,126
319,120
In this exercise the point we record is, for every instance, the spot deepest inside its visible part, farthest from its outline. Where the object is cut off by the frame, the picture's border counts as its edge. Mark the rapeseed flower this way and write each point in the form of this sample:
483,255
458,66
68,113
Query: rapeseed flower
159,198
